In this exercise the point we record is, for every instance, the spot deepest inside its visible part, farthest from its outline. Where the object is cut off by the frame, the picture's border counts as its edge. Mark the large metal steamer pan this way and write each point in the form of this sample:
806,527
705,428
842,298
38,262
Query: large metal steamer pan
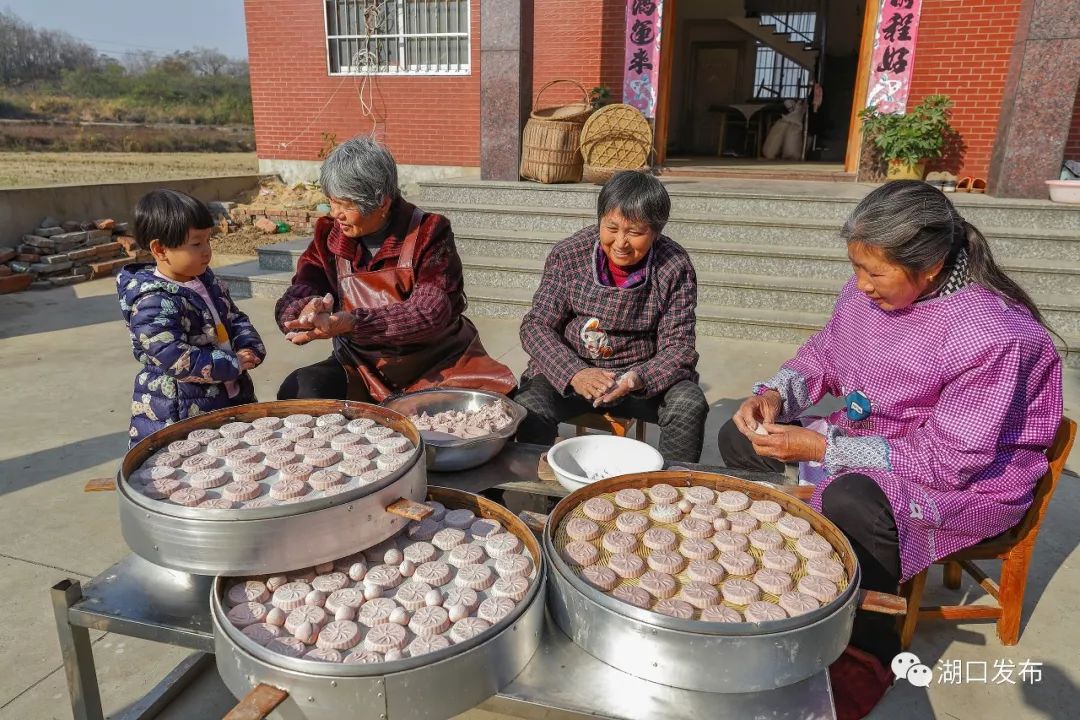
452,455
268,540
431,687
691,654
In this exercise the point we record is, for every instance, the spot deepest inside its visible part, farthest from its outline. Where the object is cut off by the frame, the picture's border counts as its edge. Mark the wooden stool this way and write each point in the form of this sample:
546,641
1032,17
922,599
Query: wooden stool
1013,547
609,423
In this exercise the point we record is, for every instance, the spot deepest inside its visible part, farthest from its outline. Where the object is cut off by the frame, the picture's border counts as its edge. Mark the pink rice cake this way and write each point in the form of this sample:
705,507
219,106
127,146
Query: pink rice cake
675,608
581,553
699,594
466,554
299,420
384,637
435,573
185,448
323,479
733,501
267,423
383,576
663,494
513,566
234,430
344,440
428,621
599,509
619,542
330,582
766,510
164,459
515,588
659,539
376,611
740,591
206,479
738,562
626,565
328,432
502,544
339,635
766,539
774,582
826,568
730,541
313,614
700,495
693,549
694,528
708,513
762,611
323,655
448,538
461,596
217,504
247,613
420,552
485,528
425,645
582,529
280,458
256,437
707,571
287,489
631,499
658,584
468,628
346,597
495,609
475,577
247,591
240,490
161,489
665,514
721,613
321,457
290,596
633,595
793,526
331,420
816,587
782,560
813,546
293,434
253,472
222,447
199,461
188,496
742,522
797,603
362,657
203,435
262,633
600,576
666,561
631,522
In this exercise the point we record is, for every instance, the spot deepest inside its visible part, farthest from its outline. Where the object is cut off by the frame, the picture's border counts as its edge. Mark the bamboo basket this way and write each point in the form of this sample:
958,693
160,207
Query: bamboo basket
616,137
550,144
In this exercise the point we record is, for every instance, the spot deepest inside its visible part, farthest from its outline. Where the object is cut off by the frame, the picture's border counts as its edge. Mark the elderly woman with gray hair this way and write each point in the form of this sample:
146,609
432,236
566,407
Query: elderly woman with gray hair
382,281
612,325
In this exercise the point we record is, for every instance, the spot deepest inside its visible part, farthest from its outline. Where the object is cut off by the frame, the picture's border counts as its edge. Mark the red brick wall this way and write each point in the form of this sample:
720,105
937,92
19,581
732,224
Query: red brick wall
963,51
578,40
425,120
1072,146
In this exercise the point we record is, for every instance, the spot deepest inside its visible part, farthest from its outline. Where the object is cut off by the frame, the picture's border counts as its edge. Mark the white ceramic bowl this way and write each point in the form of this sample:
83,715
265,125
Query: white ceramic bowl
582,460
1064,191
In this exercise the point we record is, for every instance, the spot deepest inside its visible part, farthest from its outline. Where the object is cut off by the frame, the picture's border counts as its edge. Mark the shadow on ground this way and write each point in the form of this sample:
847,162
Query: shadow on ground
24,471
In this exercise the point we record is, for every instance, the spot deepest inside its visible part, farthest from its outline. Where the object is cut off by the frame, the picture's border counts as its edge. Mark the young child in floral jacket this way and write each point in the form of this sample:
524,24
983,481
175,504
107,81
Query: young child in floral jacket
193,342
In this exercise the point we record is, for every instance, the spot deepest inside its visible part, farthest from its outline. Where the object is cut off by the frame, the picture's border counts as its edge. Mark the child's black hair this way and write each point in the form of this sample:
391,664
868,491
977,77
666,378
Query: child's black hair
167,215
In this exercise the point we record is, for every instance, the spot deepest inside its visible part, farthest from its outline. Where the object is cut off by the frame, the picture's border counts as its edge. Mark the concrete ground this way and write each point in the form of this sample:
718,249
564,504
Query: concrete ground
68,368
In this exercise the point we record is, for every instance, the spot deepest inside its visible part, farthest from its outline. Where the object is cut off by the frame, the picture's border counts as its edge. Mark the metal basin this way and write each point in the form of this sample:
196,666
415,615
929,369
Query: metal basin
450,455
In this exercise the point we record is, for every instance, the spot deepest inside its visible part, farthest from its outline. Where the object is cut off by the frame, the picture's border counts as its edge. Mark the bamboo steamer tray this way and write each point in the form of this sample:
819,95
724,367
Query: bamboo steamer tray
271,539
694,654
429,687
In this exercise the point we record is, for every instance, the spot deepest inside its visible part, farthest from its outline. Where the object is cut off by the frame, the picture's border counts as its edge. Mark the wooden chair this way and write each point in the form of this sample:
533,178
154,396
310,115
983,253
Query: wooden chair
1013,547
609,423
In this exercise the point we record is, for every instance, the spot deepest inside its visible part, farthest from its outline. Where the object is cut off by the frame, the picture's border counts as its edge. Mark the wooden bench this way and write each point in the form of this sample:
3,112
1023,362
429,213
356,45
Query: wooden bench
607,422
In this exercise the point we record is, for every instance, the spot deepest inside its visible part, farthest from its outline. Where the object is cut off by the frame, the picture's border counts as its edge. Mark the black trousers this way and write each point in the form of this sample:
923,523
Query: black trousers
680,412
324,380
856,505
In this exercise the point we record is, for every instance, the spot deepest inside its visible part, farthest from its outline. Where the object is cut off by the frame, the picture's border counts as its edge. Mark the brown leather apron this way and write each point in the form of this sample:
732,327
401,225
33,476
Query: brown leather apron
454,358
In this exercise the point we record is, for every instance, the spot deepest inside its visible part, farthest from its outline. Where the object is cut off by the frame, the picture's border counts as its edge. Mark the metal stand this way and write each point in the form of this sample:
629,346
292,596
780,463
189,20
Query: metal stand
138,599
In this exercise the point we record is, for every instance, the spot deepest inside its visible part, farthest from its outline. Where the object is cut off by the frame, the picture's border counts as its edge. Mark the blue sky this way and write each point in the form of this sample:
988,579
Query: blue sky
161,26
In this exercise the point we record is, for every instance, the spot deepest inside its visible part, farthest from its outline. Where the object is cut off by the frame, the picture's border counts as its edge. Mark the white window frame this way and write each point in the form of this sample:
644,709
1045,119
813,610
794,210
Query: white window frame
402,43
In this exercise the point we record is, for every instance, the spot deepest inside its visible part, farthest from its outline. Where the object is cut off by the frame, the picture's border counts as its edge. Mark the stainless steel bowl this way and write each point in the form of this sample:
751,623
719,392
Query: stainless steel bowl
445,455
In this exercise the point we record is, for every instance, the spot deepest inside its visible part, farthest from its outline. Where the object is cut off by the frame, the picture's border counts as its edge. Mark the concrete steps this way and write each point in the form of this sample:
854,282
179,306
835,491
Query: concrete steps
748,198
769,258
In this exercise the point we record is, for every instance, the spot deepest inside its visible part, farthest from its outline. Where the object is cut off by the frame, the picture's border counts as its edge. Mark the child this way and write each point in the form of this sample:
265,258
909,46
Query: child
193,342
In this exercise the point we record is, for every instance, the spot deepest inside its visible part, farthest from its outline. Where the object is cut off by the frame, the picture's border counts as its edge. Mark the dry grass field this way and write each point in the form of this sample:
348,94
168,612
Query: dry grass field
34,169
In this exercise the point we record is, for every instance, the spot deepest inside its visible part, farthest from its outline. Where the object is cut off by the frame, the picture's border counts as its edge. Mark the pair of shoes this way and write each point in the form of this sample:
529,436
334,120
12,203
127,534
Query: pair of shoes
944,181
971,185
859,682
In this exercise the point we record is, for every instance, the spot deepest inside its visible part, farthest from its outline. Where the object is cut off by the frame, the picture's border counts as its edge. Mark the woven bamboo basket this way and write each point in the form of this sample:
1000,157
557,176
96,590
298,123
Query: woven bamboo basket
550,144
616,137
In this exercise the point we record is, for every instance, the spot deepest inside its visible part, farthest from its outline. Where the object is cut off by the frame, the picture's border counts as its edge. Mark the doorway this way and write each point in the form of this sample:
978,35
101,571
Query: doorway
742,73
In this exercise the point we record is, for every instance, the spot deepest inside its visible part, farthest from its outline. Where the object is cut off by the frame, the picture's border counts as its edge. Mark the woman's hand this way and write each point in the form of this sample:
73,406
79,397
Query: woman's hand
789,443
248,359
322,326
315,306
755,410
627,383
592,383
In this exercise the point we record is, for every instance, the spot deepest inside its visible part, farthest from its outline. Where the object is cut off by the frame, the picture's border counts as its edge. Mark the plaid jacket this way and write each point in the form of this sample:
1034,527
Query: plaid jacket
650,327
437,299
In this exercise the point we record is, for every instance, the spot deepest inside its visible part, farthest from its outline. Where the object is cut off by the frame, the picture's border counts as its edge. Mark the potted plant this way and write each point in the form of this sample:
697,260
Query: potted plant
908,141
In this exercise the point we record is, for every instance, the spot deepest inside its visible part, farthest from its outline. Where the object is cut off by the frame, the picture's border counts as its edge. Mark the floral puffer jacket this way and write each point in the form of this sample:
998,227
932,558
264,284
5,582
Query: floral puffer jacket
173,336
